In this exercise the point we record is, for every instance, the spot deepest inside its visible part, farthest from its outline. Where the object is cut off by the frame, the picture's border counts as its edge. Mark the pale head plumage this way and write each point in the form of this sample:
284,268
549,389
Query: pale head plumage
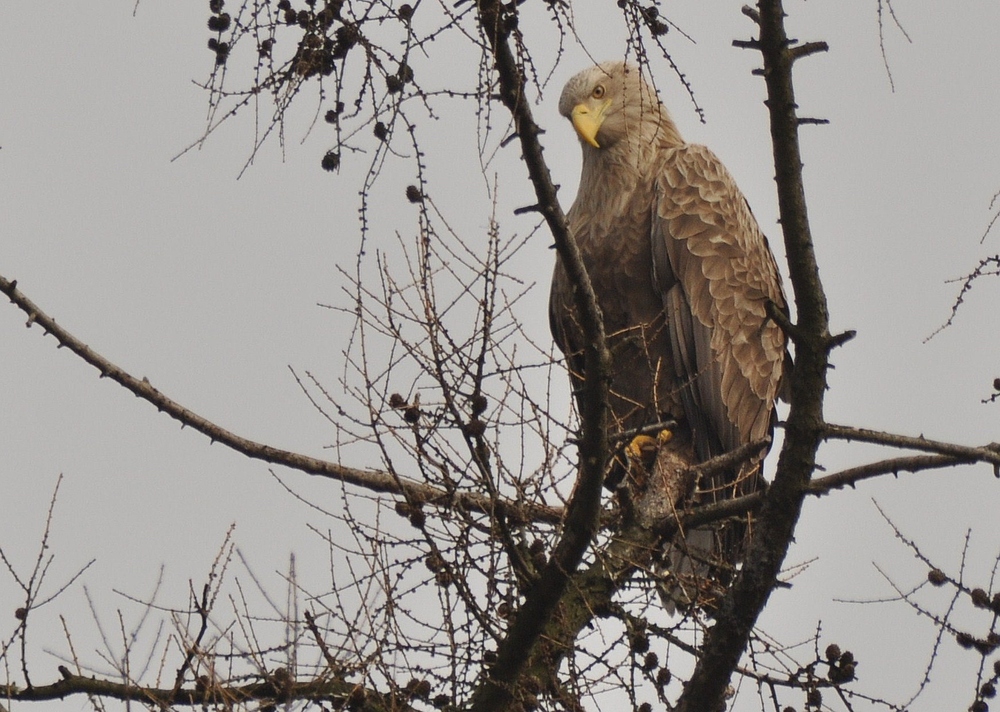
626,115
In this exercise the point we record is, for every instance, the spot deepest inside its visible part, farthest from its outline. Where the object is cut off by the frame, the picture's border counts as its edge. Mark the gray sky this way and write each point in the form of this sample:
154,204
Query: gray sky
209,287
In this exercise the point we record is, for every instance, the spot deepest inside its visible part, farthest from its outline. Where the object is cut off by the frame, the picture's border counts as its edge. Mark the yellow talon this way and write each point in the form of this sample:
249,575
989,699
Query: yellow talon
640,446
664,436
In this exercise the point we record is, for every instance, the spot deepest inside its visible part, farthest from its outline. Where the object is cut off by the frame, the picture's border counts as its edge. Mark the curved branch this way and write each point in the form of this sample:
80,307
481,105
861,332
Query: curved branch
497,22
373,480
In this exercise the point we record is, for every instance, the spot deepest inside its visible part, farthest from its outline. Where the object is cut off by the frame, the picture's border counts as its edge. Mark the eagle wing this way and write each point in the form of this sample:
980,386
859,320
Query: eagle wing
716,272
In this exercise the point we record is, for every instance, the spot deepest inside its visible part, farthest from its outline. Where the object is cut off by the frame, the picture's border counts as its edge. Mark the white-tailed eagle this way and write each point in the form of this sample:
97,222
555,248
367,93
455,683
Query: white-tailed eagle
683,276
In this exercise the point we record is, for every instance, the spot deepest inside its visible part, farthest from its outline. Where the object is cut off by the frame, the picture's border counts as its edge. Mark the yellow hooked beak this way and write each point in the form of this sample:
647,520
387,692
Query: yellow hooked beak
587,121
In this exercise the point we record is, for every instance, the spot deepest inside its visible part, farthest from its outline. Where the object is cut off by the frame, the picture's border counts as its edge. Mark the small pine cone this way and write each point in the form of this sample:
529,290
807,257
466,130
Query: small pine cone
413,194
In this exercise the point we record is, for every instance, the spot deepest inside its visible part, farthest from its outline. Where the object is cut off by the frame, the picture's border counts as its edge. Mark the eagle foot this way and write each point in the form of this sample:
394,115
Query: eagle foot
643,448
641,455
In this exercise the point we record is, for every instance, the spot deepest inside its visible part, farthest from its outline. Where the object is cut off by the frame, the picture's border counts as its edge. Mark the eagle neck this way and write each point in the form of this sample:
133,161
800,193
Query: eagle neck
616,182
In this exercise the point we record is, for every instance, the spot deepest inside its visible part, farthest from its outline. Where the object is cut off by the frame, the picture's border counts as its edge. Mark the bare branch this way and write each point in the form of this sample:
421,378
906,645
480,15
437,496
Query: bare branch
881,37
804,50
782,505
338,691
751,13
707,513
988,453
582,514
729,460
988,266
853,475
805,120
369,479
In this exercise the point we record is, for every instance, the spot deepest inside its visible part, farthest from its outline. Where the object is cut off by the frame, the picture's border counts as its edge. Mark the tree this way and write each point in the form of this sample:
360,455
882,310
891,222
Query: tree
440,388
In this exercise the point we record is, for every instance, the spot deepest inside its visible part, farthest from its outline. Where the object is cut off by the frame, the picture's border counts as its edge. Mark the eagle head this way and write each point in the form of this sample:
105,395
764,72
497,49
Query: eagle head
610,102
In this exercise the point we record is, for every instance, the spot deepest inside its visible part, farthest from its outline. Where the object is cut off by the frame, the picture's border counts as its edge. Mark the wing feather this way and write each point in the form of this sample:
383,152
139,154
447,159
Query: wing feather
727,350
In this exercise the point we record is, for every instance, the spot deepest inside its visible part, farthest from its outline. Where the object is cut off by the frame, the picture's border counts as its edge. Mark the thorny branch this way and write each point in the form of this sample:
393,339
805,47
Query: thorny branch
989,453
987,267
370,479
498,24
728,638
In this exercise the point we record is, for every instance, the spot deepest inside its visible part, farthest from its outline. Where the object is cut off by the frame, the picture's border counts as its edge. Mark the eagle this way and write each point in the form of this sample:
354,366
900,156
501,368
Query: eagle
683,277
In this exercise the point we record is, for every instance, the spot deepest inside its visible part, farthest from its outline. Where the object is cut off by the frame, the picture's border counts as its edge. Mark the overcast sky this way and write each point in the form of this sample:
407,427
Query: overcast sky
209,286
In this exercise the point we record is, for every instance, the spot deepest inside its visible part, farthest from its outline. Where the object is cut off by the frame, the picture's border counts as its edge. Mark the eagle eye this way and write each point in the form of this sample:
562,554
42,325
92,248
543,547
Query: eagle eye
598,92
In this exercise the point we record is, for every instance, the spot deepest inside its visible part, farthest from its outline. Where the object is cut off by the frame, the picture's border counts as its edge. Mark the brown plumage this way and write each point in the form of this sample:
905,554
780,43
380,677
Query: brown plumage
682,275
